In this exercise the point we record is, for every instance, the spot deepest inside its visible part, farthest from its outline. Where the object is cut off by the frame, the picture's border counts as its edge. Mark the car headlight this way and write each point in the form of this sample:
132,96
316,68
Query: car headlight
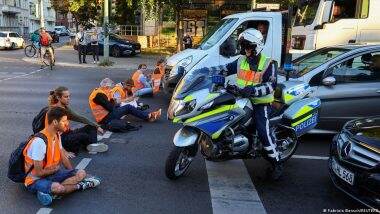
184,63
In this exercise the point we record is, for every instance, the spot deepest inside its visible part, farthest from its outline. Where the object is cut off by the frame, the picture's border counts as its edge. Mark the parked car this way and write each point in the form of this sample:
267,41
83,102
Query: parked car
11,40
118,46
345,79
354,162
54,36
61,31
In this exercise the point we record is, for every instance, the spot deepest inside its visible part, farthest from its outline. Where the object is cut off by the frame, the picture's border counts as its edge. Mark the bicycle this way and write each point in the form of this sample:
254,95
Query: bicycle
31,50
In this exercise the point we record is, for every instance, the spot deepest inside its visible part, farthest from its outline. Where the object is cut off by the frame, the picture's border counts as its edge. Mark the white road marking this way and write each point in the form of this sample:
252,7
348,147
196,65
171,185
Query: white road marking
22,75
106,135
310,157
44,210
231,188
83,163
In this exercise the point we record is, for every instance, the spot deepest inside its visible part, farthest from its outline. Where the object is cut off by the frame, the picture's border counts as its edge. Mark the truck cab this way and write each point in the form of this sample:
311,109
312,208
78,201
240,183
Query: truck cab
322,23
220,45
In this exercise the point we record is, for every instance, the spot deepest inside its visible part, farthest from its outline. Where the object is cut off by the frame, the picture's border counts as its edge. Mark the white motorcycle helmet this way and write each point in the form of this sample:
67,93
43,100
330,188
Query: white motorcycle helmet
252,38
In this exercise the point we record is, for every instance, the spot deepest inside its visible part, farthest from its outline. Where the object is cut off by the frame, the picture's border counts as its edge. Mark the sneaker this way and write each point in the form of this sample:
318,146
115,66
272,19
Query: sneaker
90,182
153,116
97,147
44,198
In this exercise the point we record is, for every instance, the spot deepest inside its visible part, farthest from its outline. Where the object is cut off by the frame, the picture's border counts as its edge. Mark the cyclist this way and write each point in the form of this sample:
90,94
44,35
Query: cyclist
45,43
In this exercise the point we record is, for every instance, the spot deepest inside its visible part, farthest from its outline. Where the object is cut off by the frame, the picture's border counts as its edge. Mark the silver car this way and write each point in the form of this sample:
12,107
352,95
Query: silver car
345,78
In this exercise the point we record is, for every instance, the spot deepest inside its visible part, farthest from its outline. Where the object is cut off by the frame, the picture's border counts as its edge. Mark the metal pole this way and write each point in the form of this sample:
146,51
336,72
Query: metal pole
253,4
42,18
106,38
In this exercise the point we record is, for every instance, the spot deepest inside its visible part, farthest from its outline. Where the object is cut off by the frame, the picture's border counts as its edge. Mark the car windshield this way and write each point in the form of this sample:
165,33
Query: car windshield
306,13
314,59
3,35
216,34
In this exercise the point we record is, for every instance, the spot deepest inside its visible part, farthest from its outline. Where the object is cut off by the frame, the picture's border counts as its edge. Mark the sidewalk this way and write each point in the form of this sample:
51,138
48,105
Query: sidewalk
66,56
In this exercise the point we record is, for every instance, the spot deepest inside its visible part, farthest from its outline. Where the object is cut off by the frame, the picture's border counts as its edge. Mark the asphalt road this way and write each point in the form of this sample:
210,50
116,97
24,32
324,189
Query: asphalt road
132,171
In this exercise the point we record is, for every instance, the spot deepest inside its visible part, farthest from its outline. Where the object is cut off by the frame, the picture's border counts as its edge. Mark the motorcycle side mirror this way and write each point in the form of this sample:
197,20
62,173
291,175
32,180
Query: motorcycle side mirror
181,71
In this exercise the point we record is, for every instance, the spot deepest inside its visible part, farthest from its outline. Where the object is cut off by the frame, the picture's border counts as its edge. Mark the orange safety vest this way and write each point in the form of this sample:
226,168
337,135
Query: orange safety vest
97,110
136,81
120,91
52,157
156,80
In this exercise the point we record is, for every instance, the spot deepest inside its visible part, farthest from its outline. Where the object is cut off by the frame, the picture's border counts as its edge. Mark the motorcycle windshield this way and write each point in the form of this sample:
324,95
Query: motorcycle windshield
193,81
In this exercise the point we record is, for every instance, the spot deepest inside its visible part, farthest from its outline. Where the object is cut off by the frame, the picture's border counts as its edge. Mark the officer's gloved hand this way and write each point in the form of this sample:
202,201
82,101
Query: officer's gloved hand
218,79
247,92
233,89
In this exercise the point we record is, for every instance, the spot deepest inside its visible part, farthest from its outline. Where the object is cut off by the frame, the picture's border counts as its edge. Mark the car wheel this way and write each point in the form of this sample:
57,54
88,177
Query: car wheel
115,51
13,46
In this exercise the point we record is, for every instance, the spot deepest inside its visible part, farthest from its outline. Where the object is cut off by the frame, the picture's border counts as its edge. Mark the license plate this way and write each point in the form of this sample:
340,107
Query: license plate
342,172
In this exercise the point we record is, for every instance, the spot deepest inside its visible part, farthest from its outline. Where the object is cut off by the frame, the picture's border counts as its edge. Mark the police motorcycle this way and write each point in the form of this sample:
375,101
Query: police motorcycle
217,121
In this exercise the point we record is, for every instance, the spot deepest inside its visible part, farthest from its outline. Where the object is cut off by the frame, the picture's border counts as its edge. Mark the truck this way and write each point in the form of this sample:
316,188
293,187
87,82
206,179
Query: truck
220,45
322,23
317,24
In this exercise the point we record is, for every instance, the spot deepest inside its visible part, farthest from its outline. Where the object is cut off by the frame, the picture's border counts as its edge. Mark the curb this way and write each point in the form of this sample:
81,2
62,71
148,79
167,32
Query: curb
69,64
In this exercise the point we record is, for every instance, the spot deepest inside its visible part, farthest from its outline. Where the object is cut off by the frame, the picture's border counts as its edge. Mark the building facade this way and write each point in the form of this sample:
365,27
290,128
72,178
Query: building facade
23,16
14,16
35,13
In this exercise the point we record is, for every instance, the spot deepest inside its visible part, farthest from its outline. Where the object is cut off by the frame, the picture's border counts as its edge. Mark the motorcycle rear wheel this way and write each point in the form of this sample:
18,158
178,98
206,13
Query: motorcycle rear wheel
281,134
178,162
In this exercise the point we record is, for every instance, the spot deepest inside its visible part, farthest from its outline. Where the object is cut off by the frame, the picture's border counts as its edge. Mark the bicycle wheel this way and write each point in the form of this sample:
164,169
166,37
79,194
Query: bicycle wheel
46,58
30,51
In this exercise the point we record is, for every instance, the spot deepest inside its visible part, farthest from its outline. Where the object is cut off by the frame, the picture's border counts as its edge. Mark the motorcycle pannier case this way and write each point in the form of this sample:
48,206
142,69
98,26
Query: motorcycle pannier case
303,115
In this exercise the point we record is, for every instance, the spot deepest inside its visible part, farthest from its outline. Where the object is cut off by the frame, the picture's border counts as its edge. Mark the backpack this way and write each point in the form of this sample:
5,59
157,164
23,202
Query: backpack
44,40
120,125
16,164
39,120
35,37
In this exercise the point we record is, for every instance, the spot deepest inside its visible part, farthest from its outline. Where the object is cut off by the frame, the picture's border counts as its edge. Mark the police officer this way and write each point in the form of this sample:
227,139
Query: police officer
256,79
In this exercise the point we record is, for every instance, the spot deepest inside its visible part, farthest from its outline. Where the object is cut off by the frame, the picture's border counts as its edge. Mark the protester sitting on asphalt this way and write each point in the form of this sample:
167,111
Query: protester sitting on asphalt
142,84
157,75
43,159
122,93
105,109
73,140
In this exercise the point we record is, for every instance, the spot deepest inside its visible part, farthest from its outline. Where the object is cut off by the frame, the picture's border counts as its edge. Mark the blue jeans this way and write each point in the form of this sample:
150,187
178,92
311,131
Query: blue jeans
119,112
143,91
44,184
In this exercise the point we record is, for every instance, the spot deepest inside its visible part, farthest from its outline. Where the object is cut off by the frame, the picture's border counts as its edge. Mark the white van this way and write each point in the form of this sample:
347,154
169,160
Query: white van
322,23
220,45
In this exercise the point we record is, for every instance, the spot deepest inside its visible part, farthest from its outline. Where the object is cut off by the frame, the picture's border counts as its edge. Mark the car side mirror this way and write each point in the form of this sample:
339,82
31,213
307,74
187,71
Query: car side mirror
329,81
320,27
227,48
181,71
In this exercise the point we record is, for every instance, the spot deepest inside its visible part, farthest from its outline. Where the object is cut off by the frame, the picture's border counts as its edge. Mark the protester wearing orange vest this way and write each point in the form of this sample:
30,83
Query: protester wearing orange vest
105,109
157,75
142,84
43,160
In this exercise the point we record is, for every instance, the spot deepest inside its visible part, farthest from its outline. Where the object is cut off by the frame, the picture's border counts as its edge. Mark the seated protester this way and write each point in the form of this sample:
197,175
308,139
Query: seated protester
157,75
43,159
85,137
142,85
105,108
122,94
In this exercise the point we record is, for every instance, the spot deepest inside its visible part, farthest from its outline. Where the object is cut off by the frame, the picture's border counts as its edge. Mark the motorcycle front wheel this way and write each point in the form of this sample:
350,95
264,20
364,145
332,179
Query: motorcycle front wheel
178,162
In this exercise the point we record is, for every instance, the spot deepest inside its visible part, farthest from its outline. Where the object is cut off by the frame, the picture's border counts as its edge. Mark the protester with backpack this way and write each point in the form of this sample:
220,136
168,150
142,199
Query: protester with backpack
72,140
38,166
45,43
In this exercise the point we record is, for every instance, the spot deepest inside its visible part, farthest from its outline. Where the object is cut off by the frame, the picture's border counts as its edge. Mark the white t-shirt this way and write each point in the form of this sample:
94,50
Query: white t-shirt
37,149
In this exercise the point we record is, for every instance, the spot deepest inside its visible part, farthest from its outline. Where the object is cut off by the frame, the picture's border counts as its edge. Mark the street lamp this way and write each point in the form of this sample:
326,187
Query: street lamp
106,32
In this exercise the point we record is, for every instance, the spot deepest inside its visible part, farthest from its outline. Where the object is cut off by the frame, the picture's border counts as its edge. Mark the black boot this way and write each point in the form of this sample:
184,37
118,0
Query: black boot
276,170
